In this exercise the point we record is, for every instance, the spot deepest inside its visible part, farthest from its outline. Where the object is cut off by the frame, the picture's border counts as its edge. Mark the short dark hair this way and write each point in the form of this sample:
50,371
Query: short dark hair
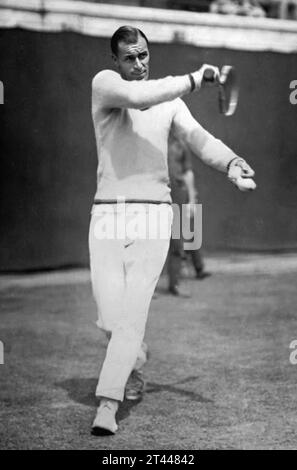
126,34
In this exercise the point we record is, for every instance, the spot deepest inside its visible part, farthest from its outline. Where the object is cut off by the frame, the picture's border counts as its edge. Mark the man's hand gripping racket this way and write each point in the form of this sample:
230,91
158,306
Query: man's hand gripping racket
228,90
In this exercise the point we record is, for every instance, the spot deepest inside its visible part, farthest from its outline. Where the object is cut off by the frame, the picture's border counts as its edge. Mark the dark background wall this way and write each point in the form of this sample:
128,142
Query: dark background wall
48,155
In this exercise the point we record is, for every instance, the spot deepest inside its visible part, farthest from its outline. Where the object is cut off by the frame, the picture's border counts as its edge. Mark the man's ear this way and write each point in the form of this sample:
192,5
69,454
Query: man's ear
115,59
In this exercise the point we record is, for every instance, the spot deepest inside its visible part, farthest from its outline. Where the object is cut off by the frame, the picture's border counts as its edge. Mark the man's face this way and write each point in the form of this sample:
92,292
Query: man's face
132,60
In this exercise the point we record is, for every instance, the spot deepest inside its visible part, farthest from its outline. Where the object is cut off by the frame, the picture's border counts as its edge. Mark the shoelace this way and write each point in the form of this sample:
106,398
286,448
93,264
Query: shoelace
107,405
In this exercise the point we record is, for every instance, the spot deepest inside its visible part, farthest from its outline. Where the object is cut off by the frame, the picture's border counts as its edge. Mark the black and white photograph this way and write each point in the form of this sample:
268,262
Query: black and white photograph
148,228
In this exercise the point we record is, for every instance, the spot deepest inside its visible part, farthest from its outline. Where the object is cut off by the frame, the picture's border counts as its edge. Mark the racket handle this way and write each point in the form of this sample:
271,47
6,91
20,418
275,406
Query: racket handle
209,75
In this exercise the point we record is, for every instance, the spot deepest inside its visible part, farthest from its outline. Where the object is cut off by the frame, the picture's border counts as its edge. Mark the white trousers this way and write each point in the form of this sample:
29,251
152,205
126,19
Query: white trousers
125,268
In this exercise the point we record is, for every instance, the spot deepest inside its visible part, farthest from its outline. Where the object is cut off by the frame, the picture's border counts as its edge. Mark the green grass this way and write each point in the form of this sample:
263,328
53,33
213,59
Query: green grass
219,376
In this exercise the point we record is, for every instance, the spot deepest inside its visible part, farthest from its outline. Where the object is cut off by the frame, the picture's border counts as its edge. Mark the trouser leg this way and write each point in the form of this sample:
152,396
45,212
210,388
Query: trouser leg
107,276
136,272
142,354
143,263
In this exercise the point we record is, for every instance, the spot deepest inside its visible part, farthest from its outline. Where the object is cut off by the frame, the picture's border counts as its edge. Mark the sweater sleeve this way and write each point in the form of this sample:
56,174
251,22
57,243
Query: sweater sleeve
109,90
210,150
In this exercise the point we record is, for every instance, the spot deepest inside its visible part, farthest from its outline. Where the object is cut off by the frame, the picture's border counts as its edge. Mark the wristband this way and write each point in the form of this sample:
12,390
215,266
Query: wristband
192,82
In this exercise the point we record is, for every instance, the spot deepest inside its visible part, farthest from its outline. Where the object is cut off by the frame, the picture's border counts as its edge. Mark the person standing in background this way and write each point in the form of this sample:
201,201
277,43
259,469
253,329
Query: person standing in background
183,192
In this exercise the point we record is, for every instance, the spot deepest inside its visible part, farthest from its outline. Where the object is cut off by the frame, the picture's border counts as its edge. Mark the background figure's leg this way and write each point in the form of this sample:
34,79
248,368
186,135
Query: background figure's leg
176,249
174,261
196,257
196,260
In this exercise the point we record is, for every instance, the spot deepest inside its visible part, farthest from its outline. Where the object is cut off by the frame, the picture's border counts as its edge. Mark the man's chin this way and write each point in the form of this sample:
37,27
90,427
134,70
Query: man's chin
141,77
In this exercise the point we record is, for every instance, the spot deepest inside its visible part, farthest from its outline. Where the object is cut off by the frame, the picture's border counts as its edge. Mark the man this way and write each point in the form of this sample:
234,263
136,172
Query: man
184,194
132,118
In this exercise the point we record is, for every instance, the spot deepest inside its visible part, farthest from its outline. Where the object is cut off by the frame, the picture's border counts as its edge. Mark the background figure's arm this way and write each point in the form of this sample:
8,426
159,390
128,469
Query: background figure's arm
188,174
189,180
212,151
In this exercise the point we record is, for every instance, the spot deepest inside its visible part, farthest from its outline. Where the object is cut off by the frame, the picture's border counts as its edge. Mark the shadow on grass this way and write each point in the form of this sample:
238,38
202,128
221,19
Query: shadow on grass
82,390
172,388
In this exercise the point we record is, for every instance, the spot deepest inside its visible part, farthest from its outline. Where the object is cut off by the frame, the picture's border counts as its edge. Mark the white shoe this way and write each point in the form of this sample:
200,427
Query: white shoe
105,423
135,386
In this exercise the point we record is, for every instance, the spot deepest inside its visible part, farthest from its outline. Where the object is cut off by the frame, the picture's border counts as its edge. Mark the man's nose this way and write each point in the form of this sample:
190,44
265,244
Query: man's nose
137,64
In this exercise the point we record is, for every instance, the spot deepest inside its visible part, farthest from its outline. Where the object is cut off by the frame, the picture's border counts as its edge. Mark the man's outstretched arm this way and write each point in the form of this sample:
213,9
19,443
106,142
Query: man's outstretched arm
111,91
211,151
